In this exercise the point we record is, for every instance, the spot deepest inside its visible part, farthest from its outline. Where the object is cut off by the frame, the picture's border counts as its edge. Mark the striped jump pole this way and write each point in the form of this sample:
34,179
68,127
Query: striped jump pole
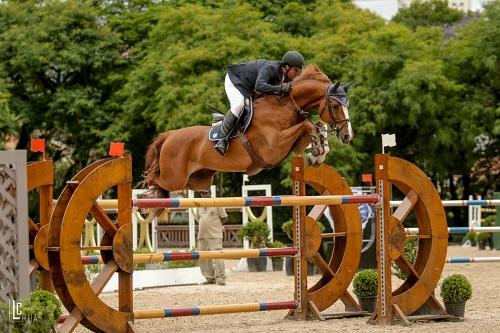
460,203
471,260
458,230
214,309
178,256
256,201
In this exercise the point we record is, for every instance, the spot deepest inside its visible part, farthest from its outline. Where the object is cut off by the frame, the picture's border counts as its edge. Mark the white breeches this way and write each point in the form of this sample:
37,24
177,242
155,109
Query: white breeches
236,99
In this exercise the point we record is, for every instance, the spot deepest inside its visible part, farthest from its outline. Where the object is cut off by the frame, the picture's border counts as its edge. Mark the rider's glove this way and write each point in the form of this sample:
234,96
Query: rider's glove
285,88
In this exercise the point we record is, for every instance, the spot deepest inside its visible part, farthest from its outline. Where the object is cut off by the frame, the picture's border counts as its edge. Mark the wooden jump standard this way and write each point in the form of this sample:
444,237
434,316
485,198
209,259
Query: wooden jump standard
79,199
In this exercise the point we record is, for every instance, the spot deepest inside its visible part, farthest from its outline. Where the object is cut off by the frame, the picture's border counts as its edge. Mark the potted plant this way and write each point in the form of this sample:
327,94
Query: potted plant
482,238
410,252
365,288
257,234
471,236
277,261
287,227
455,291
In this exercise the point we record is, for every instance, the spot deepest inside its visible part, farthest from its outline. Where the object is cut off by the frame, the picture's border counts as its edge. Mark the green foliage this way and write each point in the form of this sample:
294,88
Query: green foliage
428,13
287,228
83,73
365,283
257,233
5,325
139,250
489,221
456,288
276,244
410,253
471,235
483,236
39,313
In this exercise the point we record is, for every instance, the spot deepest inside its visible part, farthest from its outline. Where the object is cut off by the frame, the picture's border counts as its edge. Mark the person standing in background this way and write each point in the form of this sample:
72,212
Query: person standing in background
210,220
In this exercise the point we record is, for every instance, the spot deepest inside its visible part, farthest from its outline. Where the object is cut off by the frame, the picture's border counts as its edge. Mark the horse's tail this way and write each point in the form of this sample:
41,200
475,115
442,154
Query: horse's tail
152,172
152,162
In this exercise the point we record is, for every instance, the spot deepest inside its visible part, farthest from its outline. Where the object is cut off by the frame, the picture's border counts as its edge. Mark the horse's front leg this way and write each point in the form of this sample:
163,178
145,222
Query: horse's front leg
321,148
298,137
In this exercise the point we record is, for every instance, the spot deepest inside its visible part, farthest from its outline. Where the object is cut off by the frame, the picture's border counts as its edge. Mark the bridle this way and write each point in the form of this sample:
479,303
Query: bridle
342,99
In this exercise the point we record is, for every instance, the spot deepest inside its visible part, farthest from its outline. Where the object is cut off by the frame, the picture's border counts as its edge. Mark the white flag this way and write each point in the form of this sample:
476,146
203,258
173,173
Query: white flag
388,140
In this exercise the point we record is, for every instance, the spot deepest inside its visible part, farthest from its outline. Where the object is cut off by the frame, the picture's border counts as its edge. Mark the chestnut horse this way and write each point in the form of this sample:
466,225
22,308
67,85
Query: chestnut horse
185,158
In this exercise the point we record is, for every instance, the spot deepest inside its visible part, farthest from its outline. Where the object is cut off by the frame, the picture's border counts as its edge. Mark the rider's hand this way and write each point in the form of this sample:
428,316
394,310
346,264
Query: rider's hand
286,88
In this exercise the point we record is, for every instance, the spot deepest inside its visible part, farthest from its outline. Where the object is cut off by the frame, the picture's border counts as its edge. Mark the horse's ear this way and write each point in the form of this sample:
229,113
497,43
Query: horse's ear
335,86
347,86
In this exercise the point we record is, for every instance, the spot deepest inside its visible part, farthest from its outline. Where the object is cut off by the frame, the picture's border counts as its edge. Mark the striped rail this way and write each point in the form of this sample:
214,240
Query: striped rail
214,309
256,201
471,260
178,256
460,203
458,230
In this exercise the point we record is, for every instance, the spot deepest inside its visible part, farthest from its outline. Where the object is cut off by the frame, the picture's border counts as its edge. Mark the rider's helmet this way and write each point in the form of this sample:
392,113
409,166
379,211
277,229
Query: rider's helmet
293,58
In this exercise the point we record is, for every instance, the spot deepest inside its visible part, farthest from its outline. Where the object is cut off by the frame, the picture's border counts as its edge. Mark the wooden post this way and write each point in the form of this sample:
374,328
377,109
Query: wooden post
299,217
384,297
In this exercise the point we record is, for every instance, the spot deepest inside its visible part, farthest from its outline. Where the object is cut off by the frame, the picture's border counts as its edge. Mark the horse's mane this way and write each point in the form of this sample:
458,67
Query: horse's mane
312,72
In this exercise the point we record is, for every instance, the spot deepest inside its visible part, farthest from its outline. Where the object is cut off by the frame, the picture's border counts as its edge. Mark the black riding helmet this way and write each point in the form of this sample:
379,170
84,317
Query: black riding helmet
293,58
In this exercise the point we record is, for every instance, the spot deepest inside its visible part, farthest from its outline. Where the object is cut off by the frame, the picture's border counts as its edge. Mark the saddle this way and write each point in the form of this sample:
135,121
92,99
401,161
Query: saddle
241,127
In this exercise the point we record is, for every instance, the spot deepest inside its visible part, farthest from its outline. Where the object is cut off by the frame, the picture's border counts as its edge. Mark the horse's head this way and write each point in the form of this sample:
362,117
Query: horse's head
335,111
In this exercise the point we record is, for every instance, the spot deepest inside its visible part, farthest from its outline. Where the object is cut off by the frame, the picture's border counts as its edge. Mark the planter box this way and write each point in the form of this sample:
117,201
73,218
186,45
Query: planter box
277,263
455,309
159,278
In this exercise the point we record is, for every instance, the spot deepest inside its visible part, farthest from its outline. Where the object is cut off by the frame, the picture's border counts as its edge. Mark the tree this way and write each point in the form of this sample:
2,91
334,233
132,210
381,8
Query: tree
422,13
61,66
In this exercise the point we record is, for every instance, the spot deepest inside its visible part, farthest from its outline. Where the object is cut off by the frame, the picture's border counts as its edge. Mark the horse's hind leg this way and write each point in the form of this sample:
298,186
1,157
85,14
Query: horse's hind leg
201,180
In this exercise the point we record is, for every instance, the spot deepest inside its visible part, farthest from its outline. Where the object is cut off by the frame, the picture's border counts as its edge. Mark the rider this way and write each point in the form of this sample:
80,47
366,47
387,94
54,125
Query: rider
263,76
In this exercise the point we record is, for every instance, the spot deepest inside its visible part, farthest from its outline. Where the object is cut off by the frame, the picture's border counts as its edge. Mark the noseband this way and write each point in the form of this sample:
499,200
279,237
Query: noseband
342,99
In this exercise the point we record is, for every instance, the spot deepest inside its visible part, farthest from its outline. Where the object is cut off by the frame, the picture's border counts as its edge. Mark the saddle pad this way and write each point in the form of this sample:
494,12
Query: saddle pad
241,126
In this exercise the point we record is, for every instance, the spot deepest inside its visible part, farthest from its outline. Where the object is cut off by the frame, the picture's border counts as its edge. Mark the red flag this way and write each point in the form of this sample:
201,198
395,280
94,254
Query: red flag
38,145
366,178
116,149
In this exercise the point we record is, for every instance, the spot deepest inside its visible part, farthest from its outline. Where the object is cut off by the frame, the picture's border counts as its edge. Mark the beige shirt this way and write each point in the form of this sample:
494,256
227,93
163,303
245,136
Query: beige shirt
210,222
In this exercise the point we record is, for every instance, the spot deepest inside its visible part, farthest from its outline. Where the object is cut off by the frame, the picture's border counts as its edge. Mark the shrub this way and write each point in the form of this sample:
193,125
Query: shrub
5,325
287,228
276,244
455,289
483,236
471,235
365,283
257,233
410,252
39,314
489,221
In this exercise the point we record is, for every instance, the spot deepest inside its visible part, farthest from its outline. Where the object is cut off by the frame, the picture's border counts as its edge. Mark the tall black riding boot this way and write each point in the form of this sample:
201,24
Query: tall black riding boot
227,127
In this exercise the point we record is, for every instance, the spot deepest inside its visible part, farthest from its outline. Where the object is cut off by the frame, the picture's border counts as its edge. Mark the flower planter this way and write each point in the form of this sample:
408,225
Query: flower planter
455,309
481,245
258,264
289,267
277,263
368,303
252,264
